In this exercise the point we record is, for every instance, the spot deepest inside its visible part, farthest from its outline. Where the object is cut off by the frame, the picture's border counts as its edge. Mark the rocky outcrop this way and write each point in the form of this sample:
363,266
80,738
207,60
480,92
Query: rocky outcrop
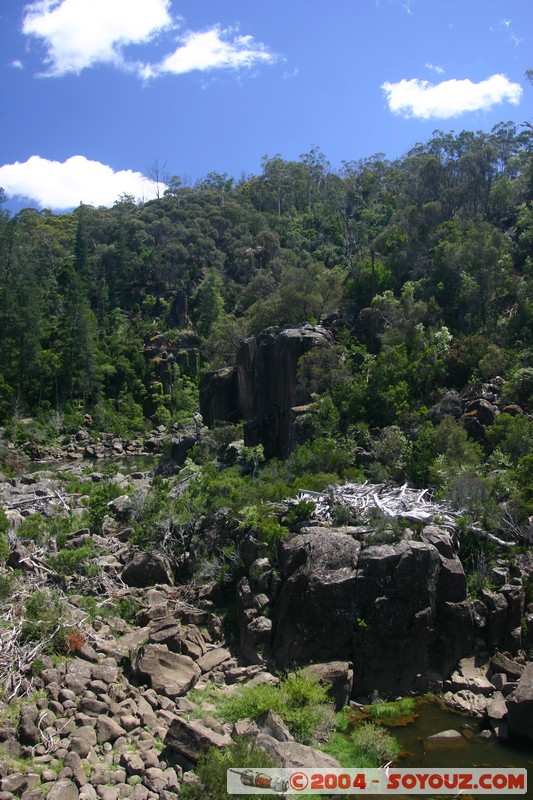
520,706
412,617
398,611
315,608
262,389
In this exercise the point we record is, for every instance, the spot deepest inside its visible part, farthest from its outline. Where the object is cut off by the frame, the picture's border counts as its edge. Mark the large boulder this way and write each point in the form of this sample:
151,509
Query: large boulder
146,569
315,608
294,754
520,706
170,674
191,738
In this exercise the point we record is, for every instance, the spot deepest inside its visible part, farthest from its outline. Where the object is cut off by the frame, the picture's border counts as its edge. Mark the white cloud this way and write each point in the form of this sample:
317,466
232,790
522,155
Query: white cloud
434,68
81,33
216,48
62,185
421,99
17,64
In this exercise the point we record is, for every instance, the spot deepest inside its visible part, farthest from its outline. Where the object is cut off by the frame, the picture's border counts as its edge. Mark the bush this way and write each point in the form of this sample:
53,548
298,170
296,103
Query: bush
368,746
213,766
67,562
101,495
299,700
43,620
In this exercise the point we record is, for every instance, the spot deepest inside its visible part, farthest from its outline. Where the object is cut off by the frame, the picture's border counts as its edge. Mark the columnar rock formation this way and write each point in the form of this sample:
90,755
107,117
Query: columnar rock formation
262,389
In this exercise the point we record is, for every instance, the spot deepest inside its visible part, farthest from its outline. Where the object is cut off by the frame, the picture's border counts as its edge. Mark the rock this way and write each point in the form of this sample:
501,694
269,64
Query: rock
294,754
404,629
191,739
262,388
108,729
466,702
520,706
471,676
132,763
502,663
17,783
497,708
445,740
213,658
121,507
83,740
271,723
170,674
315,608
337,676
63,790
28,732
146,569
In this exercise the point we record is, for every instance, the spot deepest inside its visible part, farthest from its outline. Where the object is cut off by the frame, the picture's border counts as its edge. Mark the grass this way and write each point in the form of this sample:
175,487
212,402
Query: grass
369,745
300,701
397,712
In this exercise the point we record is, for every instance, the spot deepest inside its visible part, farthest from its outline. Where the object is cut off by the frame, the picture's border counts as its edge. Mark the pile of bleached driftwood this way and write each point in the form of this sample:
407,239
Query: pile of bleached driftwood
370,500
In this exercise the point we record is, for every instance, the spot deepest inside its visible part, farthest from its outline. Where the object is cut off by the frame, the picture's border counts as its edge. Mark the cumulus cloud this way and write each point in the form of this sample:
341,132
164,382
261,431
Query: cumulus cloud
80,33
62,185
216,48
421,99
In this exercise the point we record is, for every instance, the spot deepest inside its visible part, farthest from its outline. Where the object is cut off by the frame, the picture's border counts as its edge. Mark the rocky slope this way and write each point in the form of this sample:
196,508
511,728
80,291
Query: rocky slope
124,706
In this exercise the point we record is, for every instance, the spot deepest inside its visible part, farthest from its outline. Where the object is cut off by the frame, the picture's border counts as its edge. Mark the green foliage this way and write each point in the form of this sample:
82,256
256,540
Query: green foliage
127,608
101,495
299,700
43,620
368,746
69,562
263,524
394,712
4,544
212,770
33,528
301,512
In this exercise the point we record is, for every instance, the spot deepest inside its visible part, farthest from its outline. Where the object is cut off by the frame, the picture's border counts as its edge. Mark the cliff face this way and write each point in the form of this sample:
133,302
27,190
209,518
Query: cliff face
262,389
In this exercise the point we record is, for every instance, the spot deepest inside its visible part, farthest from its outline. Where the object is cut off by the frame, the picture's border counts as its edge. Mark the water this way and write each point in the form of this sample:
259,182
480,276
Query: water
126,464
474,752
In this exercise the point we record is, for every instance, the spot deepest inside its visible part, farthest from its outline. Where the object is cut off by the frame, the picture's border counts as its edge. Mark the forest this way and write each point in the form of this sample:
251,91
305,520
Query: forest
439,243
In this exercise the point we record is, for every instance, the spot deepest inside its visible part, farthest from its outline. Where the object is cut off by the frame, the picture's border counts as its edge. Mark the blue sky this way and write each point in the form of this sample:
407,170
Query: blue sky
96,92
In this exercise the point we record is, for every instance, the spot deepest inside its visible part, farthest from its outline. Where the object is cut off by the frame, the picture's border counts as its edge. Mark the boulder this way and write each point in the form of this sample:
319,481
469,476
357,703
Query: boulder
337,676
271,723
170,674
395,614
146,569
445,740
262,388
520,706
294,754
191,738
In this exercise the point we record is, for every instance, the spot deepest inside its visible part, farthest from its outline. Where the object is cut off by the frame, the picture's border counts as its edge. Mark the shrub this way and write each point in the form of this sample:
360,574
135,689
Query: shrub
43,620
33,527
67,562
299,700
213,766
101,495
368,746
